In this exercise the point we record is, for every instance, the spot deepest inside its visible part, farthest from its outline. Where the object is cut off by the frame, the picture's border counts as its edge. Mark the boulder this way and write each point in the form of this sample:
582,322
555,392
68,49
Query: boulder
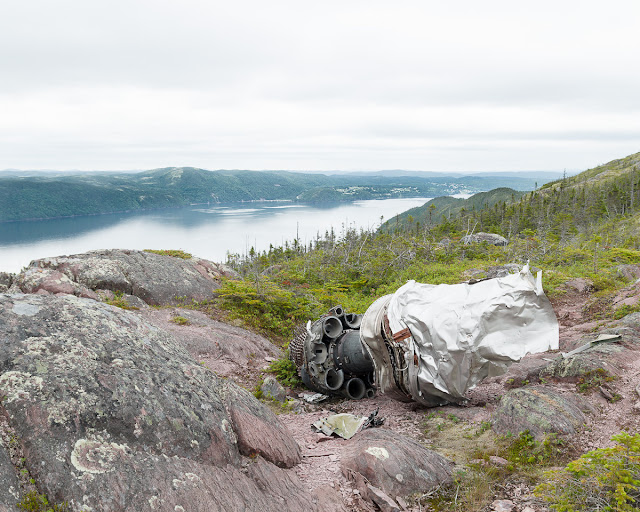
271,388
114,415
628,272
583,363
6,280
580,285
393,463
9,489
490,238
154,278
524,372
629,327
541,410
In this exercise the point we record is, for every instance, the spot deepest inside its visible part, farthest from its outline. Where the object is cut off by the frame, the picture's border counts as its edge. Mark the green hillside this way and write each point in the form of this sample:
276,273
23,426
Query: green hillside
58,195
433,211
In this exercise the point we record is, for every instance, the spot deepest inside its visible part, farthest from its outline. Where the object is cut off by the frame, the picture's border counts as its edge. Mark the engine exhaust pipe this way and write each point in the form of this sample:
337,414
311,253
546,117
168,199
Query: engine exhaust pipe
337,311
334,379
331,327
355,389
351,321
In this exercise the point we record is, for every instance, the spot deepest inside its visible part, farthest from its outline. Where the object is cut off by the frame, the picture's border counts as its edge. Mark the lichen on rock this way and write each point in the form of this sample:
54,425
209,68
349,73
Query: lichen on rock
112,412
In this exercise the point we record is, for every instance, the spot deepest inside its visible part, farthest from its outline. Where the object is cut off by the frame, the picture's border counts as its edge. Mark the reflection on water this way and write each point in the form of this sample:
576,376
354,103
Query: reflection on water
209,232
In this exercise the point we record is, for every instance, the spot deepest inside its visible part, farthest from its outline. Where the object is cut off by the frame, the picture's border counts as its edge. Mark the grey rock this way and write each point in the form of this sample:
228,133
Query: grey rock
629,326
581,364
9,489
6,280
156,279
490,238
114,415
526,371
580,285
271,388
628,272
541,410
396,464
502,506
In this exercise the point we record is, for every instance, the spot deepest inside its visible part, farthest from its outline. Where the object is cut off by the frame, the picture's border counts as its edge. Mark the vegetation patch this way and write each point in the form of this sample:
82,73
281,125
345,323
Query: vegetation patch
119,301
174,253
603,479
180,320
285,371
594,379
34,502
506,459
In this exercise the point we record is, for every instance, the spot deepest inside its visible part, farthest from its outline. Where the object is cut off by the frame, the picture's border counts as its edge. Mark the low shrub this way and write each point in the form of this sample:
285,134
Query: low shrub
119,301
606,479
175,253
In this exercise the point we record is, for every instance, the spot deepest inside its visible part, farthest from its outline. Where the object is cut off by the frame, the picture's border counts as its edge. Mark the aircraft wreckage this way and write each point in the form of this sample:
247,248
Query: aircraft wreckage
428,343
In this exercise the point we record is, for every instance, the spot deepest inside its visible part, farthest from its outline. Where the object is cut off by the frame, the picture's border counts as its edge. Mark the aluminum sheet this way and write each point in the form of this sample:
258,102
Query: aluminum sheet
462,333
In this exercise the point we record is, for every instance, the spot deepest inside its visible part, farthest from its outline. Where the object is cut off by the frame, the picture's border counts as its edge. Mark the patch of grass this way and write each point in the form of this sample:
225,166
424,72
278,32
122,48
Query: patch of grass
285,371
525,450
34,502
175,253
478,482
593,380
119,301
180,320
257,390
625,310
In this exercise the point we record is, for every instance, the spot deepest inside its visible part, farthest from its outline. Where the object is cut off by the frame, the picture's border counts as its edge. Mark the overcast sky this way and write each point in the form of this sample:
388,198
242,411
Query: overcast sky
464,85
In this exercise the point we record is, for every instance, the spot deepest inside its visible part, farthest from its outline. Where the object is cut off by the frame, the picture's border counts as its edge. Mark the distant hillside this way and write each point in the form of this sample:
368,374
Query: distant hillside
560,209
433,211
68,194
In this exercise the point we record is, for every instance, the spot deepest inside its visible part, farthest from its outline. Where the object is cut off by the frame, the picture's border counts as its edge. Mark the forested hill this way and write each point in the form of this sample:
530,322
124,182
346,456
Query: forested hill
46,196
562,208
433,211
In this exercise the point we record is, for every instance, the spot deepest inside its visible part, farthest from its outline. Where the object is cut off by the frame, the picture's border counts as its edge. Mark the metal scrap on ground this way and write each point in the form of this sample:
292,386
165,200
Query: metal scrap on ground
346,425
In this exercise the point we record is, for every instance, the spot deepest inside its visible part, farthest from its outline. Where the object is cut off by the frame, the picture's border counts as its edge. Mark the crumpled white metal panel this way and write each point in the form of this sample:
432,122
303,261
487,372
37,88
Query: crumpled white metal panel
462,333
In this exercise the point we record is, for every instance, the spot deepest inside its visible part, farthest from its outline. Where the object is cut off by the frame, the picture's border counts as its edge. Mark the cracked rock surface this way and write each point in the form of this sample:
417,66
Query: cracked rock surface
154,278
114,415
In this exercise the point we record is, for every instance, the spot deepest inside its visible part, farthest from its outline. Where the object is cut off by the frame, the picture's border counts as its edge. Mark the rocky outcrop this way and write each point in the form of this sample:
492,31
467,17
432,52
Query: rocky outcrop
114,415
206,338
9,494
154,278
273,390
541,410
490,238
393,463
584,363
6,280
628,272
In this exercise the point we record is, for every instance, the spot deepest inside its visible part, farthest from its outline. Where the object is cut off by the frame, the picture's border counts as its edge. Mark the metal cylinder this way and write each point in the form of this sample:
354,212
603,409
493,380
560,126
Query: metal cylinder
351,321
331,327
355,389
370,393
333,379
336,311
349,354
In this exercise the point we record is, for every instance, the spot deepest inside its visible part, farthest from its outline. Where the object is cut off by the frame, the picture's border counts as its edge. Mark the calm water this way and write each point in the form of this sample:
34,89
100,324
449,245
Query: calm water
208,232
